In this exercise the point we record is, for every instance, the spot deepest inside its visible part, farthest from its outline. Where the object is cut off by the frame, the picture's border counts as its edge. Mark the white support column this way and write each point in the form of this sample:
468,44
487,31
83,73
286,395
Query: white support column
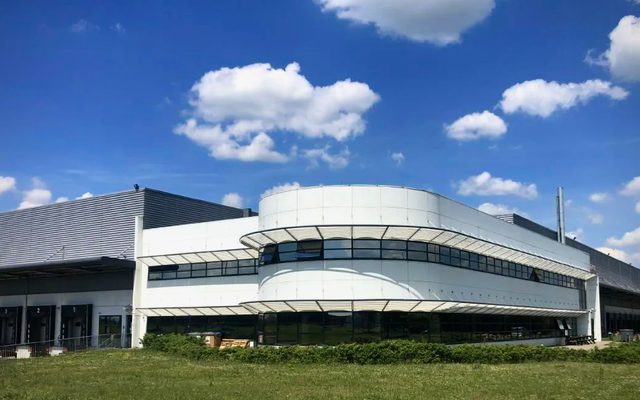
57,331
138,321
23,322
589,323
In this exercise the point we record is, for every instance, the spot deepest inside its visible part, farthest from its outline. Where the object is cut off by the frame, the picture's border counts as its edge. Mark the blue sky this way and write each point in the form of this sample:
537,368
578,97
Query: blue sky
96,96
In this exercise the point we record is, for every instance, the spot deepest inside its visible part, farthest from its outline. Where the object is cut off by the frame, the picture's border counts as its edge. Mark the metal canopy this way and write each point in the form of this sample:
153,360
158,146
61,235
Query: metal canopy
199,257
255,307
405,306
66,267
195,311
257,240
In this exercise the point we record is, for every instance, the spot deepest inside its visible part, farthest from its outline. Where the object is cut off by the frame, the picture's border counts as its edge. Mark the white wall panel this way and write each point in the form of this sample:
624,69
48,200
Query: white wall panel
408,280
216,235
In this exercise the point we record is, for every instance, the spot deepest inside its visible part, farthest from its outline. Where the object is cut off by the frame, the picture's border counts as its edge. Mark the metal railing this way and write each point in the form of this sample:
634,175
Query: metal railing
59,346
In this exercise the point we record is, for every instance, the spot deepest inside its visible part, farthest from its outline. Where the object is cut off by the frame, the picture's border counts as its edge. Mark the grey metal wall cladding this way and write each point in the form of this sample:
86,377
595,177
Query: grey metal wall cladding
98,226
165,209
121,280
612,272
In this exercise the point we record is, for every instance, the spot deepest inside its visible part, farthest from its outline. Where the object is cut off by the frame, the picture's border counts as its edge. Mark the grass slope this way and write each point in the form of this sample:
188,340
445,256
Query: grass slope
128,374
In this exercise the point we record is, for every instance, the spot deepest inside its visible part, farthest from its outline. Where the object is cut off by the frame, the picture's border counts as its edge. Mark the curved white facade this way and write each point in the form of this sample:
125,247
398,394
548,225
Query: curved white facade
387,205
324,213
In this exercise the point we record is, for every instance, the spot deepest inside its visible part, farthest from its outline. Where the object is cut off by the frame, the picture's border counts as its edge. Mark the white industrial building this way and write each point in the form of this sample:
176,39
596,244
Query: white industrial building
330,264
315,265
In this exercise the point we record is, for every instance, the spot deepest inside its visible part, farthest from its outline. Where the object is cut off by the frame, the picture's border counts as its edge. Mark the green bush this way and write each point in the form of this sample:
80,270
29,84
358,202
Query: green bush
391,352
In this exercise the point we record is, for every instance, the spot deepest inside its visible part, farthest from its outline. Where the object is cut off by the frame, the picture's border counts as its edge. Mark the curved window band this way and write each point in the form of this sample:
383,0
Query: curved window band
376,249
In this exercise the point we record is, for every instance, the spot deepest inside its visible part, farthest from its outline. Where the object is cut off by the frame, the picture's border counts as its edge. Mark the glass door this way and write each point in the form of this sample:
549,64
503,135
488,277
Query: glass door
110,329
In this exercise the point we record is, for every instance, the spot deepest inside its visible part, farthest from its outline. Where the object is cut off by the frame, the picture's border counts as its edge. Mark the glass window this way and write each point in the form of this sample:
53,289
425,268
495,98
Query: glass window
310,328
231,268
417,246
338,327
416,256
246,267
287,328
337,244
198,273
155,275
285,257
367,326
339,253
455,253
394,244
433,248
445,251
366,253
169,275
267,256
288,246
434,258
309,249
198,266
395,254
366,244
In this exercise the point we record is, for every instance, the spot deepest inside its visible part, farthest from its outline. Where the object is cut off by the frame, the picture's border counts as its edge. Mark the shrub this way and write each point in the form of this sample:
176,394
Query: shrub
391,352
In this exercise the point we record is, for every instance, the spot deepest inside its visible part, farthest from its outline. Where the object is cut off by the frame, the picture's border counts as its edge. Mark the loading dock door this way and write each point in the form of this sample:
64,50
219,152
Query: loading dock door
40,323
10,325
76,326
76,321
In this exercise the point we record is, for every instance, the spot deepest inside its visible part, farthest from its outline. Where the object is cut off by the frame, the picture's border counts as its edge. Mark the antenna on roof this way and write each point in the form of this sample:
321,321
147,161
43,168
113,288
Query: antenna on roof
560,212
136,187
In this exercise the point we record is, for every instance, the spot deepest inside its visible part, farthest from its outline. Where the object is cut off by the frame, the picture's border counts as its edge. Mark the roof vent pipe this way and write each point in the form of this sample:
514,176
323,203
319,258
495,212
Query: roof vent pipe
560,212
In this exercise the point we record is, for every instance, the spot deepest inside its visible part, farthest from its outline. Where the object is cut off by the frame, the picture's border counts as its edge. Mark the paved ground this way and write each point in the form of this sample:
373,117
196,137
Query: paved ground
600,345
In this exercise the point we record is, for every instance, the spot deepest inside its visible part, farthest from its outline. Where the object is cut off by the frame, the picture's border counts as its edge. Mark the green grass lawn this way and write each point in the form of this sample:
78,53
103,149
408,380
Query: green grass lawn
147,375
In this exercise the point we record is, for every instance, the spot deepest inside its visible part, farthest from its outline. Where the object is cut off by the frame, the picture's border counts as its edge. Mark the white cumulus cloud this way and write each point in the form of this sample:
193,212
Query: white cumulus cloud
235,109
499,209
632,187
61,199
7,183
486,185
620,254
82,26
441,22
397,157
595,218
599,197
333,160
631,238
542,98
476,126
283,187
232,200
38,195
622,58
85,195
118,28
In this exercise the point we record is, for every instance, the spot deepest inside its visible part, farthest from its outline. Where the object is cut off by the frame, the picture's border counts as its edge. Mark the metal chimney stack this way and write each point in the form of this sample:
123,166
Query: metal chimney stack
560,212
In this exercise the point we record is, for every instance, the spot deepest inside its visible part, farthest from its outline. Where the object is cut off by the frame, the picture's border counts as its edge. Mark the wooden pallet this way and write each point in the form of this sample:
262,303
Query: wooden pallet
242,343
